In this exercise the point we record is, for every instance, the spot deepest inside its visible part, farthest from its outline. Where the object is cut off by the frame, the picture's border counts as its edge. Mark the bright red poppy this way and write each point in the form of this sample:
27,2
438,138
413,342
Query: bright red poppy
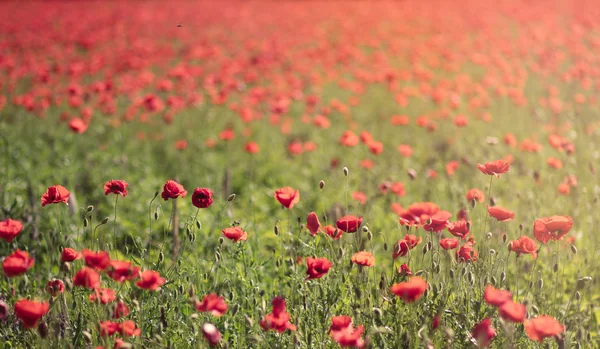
407,243
349,224
68,255
30,312
437,222
213,304
343,332
173,190
524,244
363,258
475,194
459,228
150,280
287,196
55,287
116,186
449,243
411,290
312,223
102,295
96,260
494,168
120,310
317,267
542,327
9,229
55,194
279,319
500,213
87,277
333,232
466,253
483,333
235,233
511,311
121,271
418,213
496,297
17,263
552,228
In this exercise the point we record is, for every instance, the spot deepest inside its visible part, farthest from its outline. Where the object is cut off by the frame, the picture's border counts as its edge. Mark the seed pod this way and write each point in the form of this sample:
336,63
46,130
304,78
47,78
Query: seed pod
573,249
346,171
230,198
489,235
322,184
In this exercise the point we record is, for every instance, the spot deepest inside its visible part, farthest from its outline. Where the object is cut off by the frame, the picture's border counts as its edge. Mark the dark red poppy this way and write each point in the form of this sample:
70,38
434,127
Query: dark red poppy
120,310
287,196
349,224
500,213
17,263
212,303
87,277
449,243
411,290
407,243
116,186
235,233
202,197
459,228
211,334
483,333
55,194
524,244
317,267
363,258
466,253
494,168
511,311
438,221
108,328
150,280
121,271
404,270
103,295
279,319
312,223
418,213
9,229
78,125
343,332
96,260
30,312
68,255
173,190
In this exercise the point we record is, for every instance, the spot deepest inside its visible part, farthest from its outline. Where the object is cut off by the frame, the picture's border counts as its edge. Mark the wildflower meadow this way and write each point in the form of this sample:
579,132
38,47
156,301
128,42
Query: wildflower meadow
300,174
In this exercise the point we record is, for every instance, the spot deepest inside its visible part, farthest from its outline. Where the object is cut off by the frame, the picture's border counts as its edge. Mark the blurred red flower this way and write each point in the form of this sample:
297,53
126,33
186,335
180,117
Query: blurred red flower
287,196
411,290
55,194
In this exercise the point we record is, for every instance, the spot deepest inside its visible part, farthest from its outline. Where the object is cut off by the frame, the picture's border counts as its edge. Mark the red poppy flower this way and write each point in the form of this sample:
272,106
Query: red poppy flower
116,186
449,243
278,320
542,327
349,139
55,194
212,334
104,295
212,303
333,232
438,221
483,333
466,253
552,228
407,243
349,224
525,245
363,258
451,167
287,196
87,277
129,329
121,271
410,290
173,190
108,328
360,197
68,255
251,148
312,223
500,213
96,260
459,229
418,213
17,263
495,297
78,125
120,310
398,189
494,168
317,267
54,287
30,312
150,280
9,229
404,270
235,233
343,332
475,194
511,311
202,197
405,150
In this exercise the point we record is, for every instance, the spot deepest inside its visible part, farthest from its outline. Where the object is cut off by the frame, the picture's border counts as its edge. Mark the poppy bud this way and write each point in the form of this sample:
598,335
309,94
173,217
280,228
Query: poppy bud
489,235
436,268
276,230
322,184
104,221
221,240
504,238
230,198
412,174
198,224
509,246
341,252
191,291
492,251
573,249
452,273
577,295
369,235
555,268
192,237
249,320
85,222
424,249
156,215
43,329
385,246
90,208
471,278
87,336
521,227
535,309
494,281
473,203
463,272
278,263
155,195
492,201
382,281
346,171
502,276
161,257
194,316
540,283
217,256
235,309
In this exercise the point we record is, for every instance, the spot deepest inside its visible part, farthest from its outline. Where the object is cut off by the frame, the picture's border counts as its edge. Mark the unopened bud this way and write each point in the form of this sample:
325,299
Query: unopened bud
540,283
473,203
90,208
231,197
573,249
577,295
43,329
385,246
504,238
489,235
369,235
502,276
322,184
85,222
161,257
346,171
412,174
276,230
104,221
555,268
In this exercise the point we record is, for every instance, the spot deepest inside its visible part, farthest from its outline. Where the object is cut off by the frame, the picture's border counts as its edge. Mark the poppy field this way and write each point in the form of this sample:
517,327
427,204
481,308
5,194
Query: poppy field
300,174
